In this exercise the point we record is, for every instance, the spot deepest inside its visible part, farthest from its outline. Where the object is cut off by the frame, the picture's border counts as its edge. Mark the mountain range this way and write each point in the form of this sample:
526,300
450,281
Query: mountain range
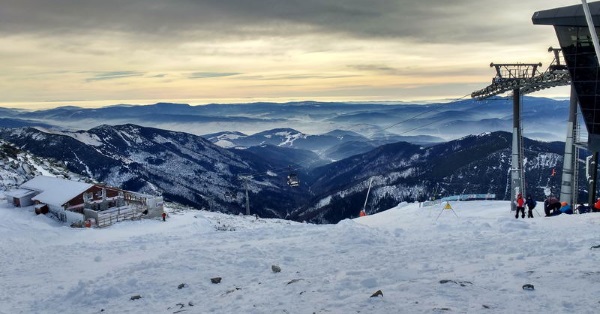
191,170
543,119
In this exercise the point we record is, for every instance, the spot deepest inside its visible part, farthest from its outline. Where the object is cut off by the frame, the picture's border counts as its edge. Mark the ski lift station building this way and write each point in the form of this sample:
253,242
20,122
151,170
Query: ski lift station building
576,43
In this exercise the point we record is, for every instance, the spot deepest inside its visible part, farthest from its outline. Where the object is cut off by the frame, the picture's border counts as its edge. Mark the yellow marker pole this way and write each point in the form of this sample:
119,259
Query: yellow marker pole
447,207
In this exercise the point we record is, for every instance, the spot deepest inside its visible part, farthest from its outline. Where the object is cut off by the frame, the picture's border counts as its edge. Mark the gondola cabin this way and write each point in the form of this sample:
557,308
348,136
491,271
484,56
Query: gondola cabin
292,180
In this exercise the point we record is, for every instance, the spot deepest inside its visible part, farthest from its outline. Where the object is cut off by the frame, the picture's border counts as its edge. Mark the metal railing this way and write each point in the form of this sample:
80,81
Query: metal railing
105,220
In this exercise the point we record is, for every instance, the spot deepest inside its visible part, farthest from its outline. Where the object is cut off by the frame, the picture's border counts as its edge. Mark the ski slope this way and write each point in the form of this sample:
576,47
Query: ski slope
477,262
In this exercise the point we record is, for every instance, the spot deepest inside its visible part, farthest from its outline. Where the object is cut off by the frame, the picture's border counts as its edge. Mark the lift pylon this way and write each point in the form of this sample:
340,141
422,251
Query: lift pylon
521,79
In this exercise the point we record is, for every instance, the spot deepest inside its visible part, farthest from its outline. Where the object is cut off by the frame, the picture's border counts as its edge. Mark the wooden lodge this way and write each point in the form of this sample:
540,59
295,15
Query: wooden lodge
79,203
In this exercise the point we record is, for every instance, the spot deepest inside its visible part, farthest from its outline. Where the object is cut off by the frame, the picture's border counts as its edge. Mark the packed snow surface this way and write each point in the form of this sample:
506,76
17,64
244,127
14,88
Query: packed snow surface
424,260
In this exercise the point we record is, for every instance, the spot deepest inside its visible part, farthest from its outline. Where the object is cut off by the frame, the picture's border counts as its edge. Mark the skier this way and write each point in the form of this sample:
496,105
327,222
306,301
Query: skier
164,216
530,206
551,205
520,206
362,213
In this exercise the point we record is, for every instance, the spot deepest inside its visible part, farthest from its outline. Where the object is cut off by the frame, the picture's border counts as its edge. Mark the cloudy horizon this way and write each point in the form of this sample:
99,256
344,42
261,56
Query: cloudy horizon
66,52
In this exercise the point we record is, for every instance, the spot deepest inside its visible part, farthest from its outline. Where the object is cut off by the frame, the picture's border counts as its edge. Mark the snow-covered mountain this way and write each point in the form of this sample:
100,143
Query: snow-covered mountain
182,167
188,169
333,145
406,172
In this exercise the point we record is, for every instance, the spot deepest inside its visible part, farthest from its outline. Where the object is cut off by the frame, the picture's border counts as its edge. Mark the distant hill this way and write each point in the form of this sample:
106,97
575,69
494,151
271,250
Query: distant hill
19,123
333,145
543,119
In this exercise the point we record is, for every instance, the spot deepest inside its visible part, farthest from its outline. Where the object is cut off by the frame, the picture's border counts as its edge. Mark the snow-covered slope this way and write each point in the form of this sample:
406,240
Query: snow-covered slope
184,168
477,262
17,166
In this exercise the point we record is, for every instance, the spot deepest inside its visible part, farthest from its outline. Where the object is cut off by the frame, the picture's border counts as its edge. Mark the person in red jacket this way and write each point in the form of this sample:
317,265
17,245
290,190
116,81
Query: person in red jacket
597,206
164,216
520,206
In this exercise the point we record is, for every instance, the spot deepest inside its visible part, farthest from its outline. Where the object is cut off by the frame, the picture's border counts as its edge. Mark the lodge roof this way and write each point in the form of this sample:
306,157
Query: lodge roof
55,191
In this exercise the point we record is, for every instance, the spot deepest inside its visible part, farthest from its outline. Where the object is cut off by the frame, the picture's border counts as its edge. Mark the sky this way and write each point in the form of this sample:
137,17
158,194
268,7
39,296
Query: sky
474,258
95,53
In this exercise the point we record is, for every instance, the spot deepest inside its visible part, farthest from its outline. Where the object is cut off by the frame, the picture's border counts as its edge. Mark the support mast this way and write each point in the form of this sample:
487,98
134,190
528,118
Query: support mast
566,188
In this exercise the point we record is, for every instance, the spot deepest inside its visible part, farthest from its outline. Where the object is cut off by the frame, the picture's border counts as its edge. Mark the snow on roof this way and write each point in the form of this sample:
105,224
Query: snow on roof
18,193
55,191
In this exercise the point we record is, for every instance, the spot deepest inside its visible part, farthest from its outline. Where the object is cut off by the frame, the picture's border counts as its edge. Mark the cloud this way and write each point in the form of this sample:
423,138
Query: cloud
200,75
292,77
113,75
459,21
382,69
417,70
310,46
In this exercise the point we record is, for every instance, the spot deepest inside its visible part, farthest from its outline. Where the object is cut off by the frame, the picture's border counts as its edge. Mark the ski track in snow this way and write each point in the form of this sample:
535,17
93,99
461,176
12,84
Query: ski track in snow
484,254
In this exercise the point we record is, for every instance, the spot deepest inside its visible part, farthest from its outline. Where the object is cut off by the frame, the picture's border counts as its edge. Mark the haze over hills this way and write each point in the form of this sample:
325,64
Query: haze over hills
543,118
333,145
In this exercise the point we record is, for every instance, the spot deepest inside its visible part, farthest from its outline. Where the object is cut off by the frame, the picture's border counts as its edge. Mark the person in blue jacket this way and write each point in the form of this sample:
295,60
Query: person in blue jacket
530,202
566,208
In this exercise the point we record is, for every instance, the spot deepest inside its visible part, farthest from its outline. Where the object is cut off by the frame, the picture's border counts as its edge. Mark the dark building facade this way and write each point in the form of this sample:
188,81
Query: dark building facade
580,57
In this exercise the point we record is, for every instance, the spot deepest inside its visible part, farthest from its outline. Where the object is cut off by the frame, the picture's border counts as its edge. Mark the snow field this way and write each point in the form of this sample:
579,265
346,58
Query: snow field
476,262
